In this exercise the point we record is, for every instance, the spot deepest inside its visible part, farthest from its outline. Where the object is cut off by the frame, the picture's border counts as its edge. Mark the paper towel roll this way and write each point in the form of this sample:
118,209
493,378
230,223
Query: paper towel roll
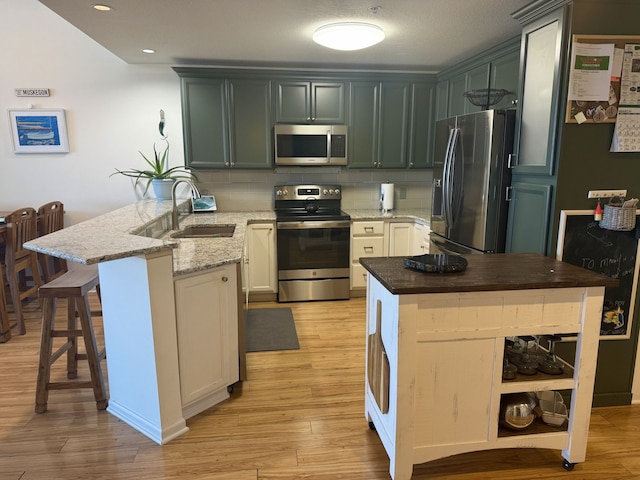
386,197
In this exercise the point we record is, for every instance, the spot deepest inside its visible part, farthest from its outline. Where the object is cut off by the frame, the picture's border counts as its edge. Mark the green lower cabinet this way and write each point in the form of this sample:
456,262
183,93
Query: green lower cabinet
528,223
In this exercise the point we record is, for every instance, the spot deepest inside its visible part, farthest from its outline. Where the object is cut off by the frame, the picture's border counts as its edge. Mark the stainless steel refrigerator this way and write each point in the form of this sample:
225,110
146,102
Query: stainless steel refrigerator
471,176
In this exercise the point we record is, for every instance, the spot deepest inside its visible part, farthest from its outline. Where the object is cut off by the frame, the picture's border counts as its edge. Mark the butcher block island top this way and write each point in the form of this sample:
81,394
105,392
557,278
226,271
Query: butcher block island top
436,345
502,271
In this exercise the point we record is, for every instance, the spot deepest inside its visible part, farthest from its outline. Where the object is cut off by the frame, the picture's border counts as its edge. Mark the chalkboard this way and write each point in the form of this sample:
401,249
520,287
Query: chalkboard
582,242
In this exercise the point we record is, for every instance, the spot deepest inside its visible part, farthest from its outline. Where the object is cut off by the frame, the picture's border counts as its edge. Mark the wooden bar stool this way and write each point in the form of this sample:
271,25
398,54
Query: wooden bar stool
73,286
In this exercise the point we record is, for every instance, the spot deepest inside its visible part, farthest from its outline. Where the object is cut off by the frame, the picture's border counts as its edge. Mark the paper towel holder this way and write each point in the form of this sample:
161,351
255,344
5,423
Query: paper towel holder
386,197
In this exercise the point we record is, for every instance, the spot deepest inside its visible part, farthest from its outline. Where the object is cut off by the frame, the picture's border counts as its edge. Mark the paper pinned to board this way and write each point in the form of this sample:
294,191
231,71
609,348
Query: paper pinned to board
590,75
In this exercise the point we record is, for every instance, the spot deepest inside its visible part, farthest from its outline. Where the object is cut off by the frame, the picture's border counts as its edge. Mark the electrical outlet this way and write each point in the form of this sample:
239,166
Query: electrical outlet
607,193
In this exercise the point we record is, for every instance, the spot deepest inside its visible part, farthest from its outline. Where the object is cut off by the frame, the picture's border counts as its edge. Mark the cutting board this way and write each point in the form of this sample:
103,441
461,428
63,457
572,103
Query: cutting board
378,364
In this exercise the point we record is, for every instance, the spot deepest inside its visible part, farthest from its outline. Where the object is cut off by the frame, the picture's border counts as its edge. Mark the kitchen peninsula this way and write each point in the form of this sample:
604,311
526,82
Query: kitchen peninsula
139,264
435,350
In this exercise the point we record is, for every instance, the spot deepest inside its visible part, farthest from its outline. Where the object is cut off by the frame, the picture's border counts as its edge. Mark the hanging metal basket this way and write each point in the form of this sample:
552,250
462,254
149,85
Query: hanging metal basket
486,97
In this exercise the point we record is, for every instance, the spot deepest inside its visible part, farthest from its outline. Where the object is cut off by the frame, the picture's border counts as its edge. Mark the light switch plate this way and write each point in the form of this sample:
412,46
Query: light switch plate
607,193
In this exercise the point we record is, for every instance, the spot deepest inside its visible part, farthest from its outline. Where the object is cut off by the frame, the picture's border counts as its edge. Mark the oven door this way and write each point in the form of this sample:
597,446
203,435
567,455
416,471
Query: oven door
313,249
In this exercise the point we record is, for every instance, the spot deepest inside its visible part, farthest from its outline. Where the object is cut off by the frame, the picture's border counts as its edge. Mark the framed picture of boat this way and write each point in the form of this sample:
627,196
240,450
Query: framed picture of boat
39,131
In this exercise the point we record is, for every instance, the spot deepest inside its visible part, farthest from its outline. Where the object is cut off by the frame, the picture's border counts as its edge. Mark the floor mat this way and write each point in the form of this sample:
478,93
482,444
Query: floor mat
268,329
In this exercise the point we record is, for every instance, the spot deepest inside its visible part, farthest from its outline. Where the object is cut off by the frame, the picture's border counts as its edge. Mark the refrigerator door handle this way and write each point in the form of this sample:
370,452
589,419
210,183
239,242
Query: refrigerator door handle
448,187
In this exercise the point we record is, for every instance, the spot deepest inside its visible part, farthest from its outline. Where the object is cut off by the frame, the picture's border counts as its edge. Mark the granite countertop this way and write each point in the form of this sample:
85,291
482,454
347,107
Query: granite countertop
491,272
145,227
421,215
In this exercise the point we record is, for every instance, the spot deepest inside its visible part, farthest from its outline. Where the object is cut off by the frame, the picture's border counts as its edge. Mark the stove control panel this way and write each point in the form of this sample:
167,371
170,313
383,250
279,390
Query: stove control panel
308,192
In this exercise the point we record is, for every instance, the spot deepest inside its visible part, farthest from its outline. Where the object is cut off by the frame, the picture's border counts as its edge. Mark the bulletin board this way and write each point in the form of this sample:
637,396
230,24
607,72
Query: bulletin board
582,242
589,108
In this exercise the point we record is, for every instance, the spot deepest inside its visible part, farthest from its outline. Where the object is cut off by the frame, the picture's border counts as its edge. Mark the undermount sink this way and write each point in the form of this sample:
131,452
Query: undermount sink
205,231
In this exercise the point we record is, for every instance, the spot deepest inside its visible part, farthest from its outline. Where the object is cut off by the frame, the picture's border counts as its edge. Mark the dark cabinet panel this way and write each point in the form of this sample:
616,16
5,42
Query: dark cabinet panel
363,131
528,222
505,76
227,123
310,102
496,68
250,123
205,124
422,126
393,128
379,124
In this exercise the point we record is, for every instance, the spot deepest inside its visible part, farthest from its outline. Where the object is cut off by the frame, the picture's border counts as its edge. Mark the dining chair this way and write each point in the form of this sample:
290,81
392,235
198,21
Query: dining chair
51,219
19,262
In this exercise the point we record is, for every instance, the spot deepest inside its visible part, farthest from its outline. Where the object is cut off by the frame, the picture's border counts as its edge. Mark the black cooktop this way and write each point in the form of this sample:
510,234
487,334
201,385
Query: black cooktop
301,214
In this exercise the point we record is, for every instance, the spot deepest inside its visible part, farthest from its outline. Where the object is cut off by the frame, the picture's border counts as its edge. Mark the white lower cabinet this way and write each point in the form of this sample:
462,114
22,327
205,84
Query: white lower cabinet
421,239
207,324
260,258
368,239
401,239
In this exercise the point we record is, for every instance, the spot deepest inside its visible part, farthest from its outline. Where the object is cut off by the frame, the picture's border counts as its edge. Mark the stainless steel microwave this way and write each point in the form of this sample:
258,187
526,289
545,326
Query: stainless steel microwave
311,144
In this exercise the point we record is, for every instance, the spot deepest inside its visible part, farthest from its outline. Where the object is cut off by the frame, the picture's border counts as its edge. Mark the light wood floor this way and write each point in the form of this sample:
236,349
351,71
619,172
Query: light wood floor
299,416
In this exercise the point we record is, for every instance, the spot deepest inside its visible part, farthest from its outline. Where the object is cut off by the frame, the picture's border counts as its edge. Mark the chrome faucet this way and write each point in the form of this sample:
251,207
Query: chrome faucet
174,211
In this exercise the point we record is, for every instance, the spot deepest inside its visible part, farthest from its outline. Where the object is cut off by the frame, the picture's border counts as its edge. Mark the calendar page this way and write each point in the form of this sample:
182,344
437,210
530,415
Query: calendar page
626,135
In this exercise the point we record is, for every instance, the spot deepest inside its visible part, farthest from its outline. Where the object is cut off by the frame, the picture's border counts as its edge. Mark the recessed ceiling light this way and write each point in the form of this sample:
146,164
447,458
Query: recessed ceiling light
102,8
148,50
348,35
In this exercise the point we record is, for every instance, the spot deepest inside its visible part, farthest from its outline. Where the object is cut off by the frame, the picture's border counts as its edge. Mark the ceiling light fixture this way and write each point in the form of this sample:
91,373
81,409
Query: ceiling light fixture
102,8
348,35
148,50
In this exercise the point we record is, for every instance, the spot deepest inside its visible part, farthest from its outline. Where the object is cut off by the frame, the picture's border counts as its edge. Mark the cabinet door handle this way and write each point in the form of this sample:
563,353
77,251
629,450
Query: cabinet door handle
368,229
225,279
368,249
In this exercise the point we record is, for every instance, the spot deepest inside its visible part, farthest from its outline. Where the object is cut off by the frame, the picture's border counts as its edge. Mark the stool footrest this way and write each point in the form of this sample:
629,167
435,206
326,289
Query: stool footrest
66,333
69,385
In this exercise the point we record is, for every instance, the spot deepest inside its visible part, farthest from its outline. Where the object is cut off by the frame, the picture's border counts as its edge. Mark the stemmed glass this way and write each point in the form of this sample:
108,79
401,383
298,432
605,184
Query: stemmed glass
549,363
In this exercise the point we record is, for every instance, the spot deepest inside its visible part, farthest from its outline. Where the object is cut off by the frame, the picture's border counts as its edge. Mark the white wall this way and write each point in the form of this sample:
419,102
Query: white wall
112,111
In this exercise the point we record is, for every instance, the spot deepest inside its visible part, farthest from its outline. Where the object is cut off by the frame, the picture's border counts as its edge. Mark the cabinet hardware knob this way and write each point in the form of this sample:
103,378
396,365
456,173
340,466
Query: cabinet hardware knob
225,279
226,164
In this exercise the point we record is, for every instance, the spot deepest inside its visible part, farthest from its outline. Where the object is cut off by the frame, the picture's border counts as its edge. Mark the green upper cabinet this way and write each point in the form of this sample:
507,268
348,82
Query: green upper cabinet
205,125
422,126
227,122
229,115
250,123
543,46
505,76
442,100
363,131
497,68
379,124
310,102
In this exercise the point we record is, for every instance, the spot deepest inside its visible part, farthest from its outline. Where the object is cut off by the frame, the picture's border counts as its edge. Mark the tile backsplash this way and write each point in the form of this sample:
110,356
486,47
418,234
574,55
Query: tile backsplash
252,190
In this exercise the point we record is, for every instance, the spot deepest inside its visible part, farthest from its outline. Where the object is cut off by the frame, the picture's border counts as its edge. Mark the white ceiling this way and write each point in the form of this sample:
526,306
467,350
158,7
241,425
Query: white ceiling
424,35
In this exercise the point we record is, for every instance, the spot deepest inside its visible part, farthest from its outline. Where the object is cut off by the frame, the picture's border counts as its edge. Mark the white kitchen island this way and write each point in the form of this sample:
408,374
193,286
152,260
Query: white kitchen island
435,350
143,276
